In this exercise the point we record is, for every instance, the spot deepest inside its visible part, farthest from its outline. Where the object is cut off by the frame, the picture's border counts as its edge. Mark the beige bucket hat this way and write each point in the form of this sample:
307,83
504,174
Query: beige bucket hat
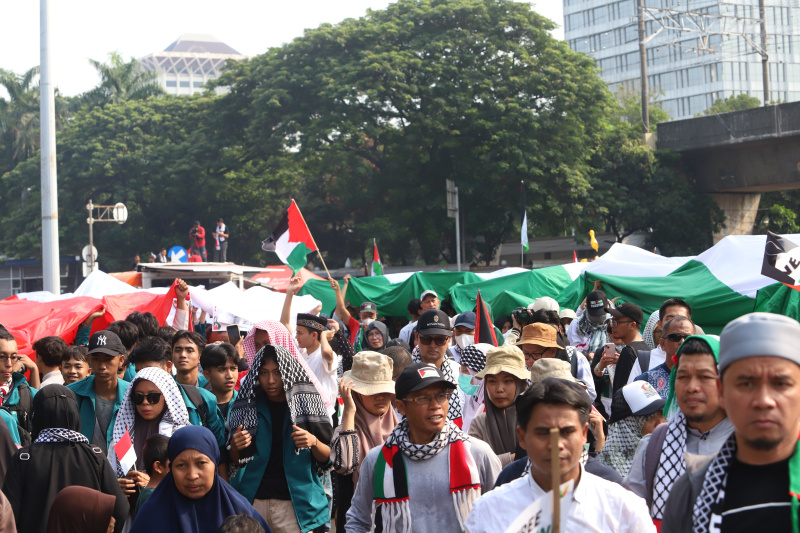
506,358
371,374
552,368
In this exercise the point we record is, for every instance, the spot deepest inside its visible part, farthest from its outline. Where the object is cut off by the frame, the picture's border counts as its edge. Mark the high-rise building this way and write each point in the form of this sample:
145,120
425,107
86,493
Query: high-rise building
185,66
697,50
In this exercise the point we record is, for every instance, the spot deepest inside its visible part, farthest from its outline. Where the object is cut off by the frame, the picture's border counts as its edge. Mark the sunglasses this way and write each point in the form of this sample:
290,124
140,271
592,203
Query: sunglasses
440,341
152,398
676,337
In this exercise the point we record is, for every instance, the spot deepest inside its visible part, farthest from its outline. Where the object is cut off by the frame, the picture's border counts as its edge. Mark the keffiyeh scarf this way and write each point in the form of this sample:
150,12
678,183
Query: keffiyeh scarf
5,389
620,447
306,406
450,371
647,335
175,415
598,335
671,466
60,435
280,336
390,484
712,496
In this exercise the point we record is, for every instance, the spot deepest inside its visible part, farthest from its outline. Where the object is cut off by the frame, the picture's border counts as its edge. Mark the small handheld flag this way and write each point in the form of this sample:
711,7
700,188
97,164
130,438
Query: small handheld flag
377,266
574,256
126,455
524,230
484,330
291,240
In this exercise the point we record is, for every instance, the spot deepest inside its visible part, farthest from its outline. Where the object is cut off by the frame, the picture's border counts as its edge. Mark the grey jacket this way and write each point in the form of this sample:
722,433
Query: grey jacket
680,504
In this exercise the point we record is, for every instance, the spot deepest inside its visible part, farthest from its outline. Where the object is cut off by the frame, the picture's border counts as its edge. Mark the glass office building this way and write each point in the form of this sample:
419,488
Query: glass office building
186,65
688,70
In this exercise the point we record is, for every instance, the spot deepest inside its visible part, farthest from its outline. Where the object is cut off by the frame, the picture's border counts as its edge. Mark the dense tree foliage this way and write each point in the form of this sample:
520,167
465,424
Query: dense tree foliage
740,102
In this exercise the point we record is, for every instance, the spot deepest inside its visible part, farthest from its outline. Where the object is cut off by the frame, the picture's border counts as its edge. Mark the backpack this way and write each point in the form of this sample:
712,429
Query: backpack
652,457
197,399
644,360
23,413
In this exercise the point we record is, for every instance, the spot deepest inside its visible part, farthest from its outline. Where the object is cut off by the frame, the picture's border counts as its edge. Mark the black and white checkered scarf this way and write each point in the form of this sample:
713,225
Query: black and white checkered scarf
60,435
306,406
454,412
420,452
672,464
623,438
715,481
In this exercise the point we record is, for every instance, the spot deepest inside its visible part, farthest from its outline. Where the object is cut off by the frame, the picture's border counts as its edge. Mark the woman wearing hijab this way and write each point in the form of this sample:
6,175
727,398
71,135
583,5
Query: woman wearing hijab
280,444
505,379
60,456
152,405
377,335
81,510
367,421
192,498
473,359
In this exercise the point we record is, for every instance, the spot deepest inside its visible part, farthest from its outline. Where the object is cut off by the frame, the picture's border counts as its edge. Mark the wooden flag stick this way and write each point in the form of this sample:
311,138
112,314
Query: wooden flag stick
323,261
555,473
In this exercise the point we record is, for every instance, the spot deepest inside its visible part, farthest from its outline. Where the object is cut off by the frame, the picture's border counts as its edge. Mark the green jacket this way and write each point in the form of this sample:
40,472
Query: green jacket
308,496
10,417
214,420
84,390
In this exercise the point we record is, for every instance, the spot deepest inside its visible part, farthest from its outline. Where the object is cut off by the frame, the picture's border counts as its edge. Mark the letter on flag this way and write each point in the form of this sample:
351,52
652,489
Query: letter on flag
125,453
377,266
781,261
291,241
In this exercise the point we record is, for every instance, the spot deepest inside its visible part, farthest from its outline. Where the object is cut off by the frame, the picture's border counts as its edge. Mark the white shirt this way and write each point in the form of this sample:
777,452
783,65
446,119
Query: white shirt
599,506
657,357
327,378
52,377
405,333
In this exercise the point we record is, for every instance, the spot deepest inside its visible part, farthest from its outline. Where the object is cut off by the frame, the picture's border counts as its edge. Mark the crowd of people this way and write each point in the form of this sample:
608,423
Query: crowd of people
328,422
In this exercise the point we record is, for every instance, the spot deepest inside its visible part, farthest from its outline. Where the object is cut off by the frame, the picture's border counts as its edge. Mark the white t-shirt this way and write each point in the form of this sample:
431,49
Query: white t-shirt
327,378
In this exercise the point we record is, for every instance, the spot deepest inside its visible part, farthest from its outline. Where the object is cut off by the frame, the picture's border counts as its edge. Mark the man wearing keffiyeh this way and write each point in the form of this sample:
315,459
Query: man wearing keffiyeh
753,483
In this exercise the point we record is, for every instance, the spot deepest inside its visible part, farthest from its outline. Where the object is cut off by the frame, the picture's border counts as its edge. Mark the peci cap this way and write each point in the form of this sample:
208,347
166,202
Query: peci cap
642,398
106,342
434,322
546,303
418,376
317,323
627,310
596,303
759,335
543,335
426,293
466,319
368,307
552,368
505,358
371,373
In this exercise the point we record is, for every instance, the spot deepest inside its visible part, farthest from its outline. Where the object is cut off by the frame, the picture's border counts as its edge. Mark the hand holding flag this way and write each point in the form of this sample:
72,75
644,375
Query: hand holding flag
124,453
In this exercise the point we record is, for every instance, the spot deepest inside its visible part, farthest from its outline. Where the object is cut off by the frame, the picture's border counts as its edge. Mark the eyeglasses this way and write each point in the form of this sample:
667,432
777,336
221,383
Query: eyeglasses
152,398
535,355
615,323
425,400
439,340
676,337
12,358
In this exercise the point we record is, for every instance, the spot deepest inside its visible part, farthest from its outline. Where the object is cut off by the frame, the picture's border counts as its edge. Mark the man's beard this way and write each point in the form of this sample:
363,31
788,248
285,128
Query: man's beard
764,444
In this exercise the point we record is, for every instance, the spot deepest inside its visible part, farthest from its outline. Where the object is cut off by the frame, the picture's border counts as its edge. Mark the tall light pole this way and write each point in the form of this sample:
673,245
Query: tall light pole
764,55
643,64
106,213
51,271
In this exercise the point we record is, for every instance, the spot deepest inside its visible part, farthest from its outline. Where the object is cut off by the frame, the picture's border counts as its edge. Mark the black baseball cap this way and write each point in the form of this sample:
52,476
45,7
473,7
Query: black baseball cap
368,307
596,303
106,342
629,310
434,322
418,376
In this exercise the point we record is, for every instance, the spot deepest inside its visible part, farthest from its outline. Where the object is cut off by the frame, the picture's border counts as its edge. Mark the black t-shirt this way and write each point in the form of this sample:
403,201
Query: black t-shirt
223,409
756,499
274,485
627,358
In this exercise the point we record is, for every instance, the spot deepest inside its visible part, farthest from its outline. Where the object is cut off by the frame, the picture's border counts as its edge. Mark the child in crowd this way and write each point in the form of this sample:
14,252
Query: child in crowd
156,464
74,366
220,363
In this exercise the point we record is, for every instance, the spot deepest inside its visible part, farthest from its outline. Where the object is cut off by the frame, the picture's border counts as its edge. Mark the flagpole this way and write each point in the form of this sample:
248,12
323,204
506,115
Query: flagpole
555,474
313,240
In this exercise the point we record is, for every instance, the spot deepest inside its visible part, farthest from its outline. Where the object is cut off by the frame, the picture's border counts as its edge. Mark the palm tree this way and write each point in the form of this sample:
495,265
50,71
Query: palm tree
19,120
121,81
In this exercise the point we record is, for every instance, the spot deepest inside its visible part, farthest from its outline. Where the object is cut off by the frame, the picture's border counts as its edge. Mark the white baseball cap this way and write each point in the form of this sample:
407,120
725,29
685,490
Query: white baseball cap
546,303
642,398
567,313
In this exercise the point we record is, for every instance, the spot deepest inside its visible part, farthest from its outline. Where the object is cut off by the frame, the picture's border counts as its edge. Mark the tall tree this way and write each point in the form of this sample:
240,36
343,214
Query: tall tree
121,80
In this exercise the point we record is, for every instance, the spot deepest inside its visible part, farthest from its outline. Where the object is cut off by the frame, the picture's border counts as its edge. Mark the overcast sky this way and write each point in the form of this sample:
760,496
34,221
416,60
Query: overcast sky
82,29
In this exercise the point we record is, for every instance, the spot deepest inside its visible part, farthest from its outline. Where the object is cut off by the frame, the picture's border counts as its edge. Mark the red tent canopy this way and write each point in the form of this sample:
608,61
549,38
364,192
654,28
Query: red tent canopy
280,280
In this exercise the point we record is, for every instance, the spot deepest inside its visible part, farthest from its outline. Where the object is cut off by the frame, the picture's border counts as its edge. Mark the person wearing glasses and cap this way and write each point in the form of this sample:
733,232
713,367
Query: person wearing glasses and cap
428,473
433,335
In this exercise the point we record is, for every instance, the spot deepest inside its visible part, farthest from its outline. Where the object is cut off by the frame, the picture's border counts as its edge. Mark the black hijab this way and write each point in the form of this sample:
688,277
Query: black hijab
55,406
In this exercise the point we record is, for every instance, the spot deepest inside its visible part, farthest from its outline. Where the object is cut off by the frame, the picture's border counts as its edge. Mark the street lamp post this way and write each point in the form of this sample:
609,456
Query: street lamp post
106,213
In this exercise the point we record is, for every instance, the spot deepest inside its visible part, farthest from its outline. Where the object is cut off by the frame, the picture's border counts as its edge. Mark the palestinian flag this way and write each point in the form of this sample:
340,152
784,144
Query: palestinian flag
377,266
291,240
782,261
484,329
524,229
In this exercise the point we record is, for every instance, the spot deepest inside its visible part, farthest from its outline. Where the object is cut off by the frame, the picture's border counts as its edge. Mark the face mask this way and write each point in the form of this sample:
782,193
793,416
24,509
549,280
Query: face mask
465,340
367,321
465,384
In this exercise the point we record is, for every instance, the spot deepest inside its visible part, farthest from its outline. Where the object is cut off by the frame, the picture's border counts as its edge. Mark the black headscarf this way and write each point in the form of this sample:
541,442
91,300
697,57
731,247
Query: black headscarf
55,406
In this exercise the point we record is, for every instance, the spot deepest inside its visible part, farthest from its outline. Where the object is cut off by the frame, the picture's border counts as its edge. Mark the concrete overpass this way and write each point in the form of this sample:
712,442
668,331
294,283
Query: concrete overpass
739,155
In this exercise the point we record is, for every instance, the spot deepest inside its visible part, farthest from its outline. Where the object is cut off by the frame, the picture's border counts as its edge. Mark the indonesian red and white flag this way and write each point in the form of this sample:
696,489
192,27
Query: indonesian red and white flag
125,453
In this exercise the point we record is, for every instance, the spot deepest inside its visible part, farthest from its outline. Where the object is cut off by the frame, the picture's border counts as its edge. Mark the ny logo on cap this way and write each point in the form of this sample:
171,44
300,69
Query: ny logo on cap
101,340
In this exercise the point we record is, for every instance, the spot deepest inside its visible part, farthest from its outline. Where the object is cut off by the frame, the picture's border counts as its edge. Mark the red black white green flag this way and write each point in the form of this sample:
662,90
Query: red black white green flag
484,329
291,241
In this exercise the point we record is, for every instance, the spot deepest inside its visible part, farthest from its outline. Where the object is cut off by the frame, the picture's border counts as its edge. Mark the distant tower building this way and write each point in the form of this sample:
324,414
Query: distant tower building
186,65
687,70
